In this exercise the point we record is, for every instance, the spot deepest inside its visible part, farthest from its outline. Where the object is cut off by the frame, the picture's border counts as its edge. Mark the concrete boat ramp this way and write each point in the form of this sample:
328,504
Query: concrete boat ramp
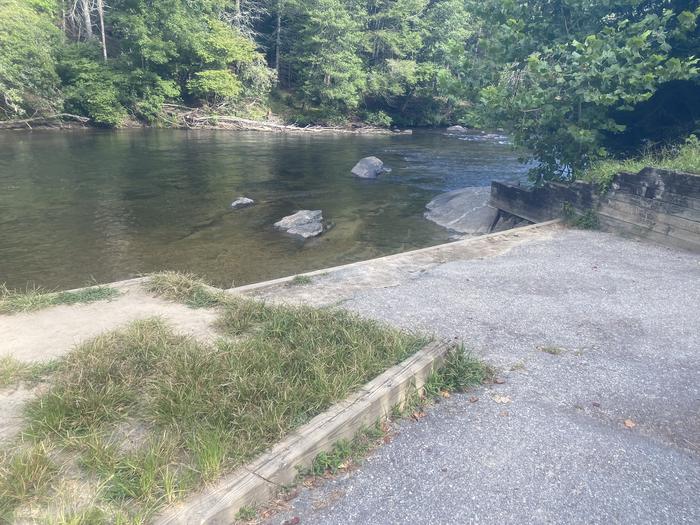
596,337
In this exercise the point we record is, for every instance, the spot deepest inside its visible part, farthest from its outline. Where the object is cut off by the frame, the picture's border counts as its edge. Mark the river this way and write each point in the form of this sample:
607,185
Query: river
98,206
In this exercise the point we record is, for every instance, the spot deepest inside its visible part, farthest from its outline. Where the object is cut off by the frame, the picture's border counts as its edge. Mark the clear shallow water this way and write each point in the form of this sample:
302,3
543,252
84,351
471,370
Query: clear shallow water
93,205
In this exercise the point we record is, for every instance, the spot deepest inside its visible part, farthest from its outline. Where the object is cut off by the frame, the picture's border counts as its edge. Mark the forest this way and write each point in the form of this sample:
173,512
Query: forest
573,81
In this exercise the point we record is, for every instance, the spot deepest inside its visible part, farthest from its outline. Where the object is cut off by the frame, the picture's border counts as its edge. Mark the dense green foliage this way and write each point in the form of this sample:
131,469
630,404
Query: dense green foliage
569,78
572,67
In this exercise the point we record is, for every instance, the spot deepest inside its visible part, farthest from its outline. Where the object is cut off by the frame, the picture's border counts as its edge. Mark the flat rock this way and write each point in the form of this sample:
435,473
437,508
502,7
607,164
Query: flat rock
369,168
464,211
242,202
457,129
304,223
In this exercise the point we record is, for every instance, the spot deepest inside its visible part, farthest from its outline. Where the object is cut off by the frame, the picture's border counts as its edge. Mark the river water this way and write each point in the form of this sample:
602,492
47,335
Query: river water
85,206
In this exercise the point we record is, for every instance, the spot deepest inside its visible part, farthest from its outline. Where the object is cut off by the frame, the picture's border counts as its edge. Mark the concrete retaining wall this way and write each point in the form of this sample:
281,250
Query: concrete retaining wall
660,205
544,203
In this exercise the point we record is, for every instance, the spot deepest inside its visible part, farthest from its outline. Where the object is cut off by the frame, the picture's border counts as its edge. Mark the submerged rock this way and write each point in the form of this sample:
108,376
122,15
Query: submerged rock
465,211
304,223
457,129
369,168
242,202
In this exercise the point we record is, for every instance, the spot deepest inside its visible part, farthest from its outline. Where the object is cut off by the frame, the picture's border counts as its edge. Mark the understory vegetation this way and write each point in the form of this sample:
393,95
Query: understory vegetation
16,301
685,157
137,418
572,80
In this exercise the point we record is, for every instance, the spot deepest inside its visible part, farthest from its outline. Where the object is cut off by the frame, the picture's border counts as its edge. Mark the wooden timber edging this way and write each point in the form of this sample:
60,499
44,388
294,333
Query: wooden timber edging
261,480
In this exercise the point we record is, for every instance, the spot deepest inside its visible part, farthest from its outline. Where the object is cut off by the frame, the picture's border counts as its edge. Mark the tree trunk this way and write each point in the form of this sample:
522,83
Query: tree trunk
101,13
279,38
87,21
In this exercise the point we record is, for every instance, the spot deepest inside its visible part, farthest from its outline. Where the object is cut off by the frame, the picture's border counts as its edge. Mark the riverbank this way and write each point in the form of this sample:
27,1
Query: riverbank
180,117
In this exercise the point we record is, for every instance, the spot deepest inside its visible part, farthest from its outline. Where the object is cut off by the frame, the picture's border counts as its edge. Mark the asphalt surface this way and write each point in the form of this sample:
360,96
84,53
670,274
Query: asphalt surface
550,445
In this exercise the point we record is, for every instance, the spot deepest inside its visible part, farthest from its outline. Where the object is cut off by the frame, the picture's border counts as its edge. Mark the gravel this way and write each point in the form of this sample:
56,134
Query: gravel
607,430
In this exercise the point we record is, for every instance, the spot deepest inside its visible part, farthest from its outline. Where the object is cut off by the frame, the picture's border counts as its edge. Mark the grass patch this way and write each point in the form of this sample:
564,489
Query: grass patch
185,288
460,372
24,477
198,410
300,280
246,513
13,371
685,157
346,453
587,220
31,299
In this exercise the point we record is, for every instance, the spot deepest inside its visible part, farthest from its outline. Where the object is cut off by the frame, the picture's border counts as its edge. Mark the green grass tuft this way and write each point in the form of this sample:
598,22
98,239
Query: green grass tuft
346,453
24,476
685,157
587,220
13,371
460,372
31,299
185,288
300,280
246,513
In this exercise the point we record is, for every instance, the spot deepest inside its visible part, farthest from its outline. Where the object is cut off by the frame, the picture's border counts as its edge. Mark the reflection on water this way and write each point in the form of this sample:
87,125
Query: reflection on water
101,205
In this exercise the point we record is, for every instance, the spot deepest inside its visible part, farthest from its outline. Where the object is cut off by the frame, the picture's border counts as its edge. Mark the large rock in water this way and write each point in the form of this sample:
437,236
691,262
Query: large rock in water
457,129
369,168
464,211
304,223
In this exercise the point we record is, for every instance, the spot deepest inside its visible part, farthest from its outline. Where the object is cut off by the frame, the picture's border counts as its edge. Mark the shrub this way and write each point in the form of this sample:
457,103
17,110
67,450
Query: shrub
378,118
214,85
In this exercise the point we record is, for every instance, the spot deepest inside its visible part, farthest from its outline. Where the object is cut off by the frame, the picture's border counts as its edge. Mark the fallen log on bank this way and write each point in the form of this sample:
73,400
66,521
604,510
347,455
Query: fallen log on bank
51,121
195,118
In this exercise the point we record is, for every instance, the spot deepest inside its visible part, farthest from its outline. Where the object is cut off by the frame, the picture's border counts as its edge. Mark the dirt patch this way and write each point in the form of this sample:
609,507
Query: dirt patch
11,406
51,333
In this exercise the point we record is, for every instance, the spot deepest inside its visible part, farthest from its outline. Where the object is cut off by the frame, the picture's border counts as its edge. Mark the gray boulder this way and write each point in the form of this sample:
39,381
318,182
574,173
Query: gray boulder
242,202
369,168
304,223
465,211
456,129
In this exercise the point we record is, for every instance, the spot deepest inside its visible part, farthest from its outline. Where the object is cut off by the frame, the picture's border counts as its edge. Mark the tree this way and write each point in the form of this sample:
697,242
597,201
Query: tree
561,98
29,83
324,55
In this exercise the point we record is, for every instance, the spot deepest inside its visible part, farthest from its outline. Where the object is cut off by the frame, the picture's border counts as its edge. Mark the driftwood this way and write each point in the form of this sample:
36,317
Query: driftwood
179,116
194,118
45,121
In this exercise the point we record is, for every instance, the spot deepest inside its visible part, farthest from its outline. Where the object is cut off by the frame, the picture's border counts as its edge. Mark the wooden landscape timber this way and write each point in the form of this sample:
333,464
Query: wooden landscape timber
261,480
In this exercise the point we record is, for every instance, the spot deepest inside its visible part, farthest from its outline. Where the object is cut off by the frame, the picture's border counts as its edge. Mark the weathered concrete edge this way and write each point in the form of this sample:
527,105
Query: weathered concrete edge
283,280
119,285
261,480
